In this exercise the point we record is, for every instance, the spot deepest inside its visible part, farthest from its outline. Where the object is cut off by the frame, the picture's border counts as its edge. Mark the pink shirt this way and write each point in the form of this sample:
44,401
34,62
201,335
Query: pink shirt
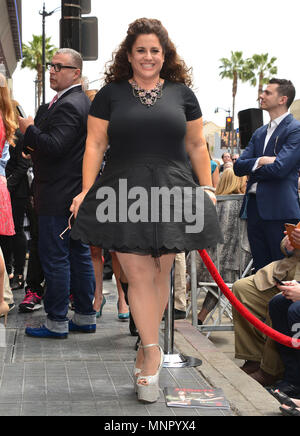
2,135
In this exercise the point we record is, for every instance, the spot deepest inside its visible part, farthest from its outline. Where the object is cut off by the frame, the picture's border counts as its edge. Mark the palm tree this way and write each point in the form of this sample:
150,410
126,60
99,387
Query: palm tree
264,68
33,58
235,68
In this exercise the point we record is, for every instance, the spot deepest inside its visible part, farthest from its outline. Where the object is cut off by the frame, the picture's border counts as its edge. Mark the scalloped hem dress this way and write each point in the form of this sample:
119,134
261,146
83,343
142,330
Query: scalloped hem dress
146,201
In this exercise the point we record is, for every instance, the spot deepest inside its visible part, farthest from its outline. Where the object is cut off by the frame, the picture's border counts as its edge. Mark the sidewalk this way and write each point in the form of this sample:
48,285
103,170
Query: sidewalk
90,374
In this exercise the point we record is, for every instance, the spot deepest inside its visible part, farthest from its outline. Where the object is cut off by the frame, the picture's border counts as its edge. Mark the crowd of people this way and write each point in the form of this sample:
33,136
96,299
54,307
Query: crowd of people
97,159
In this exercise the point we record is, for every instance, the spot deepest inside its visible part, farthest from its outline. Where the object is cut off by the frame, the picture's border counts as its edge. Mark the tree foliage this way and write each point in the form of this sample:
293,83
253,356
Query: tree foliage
235,68
33,57
263,70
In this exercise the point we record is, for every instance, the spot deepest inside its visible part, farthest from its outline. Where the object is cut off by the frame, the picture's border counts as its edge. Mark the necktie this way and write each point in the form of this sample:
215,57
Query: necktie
54,100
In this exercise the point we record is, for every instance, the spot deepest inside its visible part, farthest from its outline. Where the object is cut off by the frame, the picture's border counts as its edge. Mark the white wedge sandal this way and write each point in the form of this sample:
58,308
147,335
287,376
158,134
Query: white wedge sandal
136,372
148,385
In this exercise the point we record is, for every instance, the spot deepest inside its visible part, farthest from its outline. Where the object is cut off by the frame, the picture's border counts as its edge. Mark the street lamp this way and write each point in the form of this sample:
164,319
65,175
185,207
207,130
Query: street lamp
225,110
44,15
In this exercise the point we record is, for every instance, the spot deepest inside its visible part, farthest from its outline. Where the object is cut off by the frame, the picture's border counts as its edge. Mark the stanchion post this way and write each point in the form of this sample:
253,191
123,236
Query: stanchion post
194,289
169,318
172,360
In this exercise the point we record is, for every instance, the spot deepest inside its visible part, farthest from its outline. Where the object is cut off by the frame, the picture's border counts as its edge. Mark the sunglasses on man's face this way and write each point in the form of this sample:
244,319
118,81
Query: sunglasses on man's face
59,67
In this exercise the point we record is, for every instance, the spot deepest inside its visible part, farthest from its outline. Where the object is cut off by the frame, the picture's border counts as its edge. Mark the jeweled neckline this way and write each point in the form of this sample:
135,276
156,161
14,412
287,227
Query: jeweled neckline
147,97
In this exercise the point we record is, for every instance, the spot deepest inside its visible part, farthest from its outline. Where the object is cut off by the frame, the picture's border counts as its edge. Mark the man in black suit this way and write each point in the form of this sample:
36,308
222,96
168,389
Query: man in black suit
56,143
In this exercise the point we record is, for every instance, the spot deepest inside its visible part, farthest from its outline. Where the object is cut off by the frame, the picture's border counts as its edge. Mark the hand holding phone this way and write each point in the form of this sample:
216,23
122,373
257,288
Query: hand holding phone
289,229
279,282
21,111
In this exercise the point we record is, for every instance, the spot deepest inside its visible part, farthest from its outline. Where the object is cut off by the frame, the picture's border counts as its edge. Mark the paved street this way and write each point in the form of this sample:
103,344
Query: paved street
91,374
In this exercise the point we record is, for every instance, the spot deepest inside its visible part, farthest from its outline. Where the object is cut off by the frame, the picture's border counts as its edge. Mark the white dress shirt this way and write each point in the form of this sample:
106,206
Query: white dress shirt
273,124
60,93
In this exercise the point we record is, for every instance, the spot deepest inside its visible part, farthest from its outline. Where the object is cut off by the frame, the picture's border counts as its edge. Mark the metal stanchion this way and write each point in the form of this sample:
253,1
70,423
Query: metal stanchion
172,360
194,289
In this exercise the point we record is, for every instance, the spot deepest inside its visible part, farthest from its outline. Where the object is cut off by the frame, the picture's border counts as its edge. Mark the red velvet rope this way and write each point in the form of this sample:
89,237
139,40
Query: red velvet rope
273,334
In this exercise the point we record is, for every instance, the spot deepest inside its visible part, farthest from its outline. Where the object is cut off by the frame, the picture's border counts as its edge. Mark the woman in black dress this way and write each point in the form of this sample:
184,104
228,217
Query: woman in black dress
145,201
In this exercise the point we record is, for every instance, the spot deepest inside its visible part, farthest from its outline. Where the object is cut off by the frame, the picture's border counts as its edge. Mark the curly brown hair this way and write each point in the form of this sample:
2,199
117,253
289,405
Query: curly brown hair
174,68
7,111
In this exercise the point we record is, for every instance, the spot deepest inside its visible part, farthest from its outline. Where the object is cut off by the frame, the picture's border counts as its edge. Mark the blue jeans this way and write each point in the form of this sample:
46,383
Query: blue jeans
67,267
285,315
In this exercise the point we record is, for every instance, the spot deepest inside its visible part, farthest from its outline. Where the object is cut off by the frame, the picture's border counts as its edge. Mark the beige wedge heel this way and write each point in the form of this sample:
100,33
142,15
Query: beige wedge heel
148,386
136,372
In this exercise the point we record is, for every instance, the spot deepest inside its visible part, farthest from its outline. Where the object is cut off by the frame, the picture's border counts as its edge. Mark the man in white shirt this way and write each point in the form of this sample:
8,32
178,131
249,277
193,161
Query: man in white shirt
272,161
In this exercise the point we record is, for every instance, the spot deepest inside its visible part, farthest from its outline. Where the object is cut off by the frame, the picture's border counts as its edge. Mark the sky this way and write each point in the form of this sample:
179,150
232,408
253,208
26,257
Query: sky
203,33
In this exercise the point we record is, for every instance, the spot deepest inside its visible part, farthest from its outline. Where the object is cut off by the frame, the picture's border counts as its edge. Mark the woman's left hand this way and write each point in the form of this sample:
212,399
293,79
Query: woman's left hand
77,202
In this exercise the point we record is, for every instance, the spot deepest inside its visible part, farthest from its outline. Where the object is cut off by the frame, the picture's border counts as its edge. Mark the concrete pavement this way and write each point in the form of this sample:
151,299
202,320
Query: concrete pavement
90,374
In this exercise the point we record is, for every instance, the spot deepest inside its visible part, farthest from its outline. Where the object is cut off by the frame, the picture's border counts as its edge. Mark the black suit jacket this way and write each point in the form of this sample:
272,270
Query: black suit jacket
58,140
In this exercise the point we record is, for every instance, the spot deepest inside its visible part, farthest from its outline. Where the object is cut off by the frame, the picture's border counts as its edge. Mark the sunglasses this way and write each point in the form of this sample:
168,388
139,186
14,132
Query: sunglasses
67,228
59,67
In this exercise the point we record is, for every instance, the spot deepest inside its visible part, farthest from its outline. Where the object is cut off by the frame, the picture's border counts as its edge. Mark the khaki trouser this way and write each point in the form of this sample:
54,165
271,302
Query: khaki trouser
8,295
250,343
180,282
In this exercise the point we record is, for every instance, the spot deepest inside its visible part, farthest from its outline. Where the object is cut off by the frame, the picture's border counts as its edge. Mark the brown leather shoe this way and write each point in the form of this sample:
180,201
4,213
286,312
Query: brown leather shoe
250,366
263,377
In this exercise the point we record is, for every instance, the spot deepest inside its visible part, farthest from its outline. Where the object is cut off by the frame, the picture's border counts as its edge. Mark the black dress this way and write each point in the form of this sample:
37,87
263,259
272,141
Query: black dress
146,201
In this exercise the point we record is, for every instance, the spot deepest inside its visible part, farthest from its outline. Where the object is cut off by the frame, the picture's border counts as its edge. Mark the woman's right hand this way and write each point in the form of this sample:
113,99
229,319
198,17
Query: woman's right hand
77,203
212,196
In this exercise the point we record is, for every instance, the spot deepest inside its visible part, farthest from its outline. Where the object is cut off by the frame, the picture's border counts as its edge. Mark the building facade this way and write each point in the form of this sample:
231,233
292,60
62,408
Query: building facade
295,109
10,35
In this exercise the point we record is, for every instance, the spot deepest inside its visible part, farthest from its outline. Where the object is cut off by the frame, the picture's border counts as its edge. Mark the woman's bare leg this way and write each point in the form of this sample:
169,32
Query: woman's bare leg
148,293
